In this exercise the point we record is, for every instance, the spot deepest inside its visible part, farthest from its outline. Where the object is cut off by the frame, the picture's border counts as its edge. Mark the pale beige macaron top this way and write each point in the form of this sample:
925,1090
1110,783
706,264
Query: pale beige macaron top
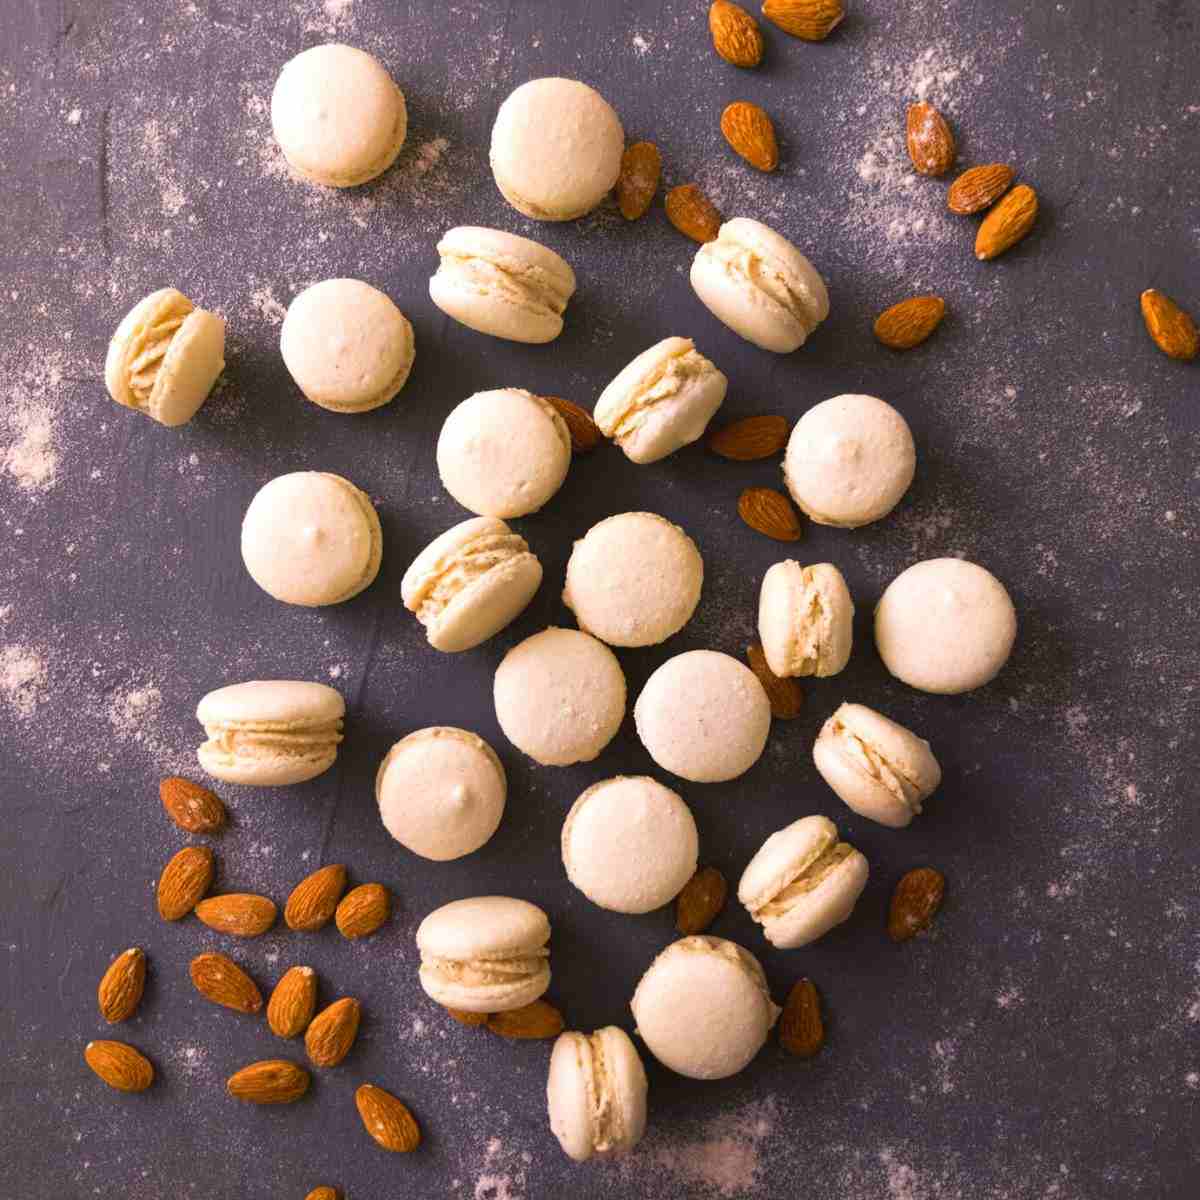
805,619
165,357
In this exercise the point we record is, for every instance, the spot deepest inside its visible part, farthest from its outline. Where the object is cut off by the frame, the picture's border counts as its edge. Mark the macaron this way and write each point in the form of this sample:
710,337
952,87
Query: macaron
805,619
629,844
311,538
756,282
879,769
485,954
503,453
596,1093
560,696
165,357
347,346
270,732
802,882
703,1008
556,149
501,284
849,461
945,625
703,716
441,792
661,401
337,115
634,579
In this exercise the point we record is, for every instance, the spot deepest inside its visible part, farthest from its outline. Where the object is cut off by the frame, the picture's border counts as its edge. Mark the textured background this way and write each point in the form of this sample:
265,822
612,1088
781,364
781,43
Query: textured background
1042,1040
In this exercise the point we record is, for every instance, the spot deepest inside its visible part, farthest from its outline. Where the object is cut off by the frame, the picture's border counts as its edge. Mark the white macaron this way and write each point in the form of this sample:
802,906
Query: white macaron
805,619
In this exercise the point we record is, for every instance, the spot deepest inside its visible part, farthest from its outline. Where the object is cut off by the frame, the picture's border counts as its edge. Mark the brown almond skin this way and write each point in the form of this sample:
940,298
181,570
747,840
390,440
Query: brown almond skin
272,1081
192,807
363,910
750,133
978,188
468,1018
121,986
750,439
324,1193
119,1065
585,433
736,36
183,882
529,1022
812,20
801,1029
637,184
930,142
315,898
701,901
693,213
785,694
222,981
387,1120
915,903
908,323
771,513
293,1002
332,1032
242,914
1172,330
1007,223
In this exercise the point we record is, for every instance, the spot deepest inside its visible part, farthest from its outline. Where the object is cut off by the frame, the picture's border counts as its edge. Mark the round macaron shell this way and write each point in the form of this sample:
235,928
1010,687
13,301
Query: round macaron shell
194,360
568,1095
272,701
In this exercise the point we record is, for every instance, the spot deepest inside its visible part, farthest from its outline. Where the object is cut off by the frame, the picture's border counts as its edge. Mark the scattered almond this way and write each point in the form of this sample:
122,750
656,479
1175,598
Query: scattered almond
641,169
315,898
1173,331
242,914
750,438
801,1030
467,1018
978,188
915,902
749,131
1007,223
736,36
119,1065
191,806
386,1119
769,512
701,900
183,882
812,20
222,981
910,322
585,433
784,693
537,1020
362,910
930,142
272,1081
324,1193
332,1032
121,986
692,213
293,1002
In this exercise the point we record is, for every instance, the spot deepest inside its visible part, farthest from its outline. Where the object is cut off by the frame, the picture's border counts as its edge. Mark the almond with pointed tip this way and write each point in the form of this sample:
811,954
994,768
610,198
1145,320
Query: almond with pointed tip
183,882
930,142
332,1032
736,36
750,438
693,213
242,914
119,1065
978,188
801,1030
1173,331
537,1020
812,20
121,986
771,513
1007,223
221,980
293,1002
315,898
910,322
915,903
363,910
190,806
272,1081
387,1119
637,184
701,901
750,133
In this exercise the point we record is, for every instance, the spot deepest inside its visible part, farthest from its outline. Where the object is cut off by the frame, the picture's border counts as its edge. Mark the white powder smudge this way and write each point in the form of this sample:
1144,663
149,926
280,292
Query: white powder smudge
23,675
503,1174
267,305
75,116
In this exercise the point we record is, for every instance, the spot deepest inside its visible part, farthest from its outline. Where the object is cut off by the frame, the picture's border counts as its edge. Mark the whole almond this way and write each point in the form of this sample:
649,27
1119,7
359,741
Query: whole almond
315,898
324,1193
692,213
801,1030
812,20
293,1002
910,322
119,1065
183,882
749,131
332,1032
121,986
363,910
191,806
978,188
915,902
1173,331
272,1081
222,981
242,914
930,142
468,1018
750,438
769,512
784,693
736,36
1007,223
701,901
386,1119
537,1020
585,433
641,169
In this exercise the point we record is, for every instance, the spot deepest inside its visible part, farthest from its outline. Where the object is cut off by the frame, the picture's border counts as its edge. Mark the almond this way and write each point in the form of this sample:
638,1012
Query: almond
324,1193
242,914
812,20
121,986
641,168
692,213
801,1030
1173,331
119,1065
750,438
910,322
222,981
191,806
362,910
736,36
783,692
769,512
930,142
315,898
293,1002
701,900
537,1020
585,433
272,1081
468,1018
915,902
183,882
749,131
978,188
332,1032
386,1119
1007,223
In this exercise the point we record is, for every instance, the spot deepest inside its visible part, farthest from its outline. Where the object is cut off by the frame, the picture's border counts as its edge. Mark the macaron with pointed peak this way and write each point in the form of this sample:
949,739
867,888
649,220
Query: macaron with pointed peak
805,619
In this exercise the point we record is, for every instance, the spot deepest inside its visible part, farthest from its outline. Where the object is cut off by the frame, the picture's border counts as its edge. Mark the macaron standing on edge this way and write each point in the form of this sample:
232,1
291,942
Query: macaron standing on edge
805,619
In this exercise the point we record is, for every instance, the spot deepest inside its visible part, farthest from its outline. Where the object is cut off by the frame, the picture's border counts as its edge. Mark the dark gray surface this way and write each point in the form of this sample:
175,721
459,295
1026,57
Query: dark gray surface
1042,1041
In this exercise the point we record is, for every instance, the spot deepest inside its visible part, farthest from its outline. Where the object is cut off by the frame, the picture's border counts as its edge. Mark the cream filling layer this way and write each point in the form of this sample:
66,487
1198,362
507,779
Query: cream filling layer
806,881
868,759
608,1130
525,286
252,738
148,347
486,972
